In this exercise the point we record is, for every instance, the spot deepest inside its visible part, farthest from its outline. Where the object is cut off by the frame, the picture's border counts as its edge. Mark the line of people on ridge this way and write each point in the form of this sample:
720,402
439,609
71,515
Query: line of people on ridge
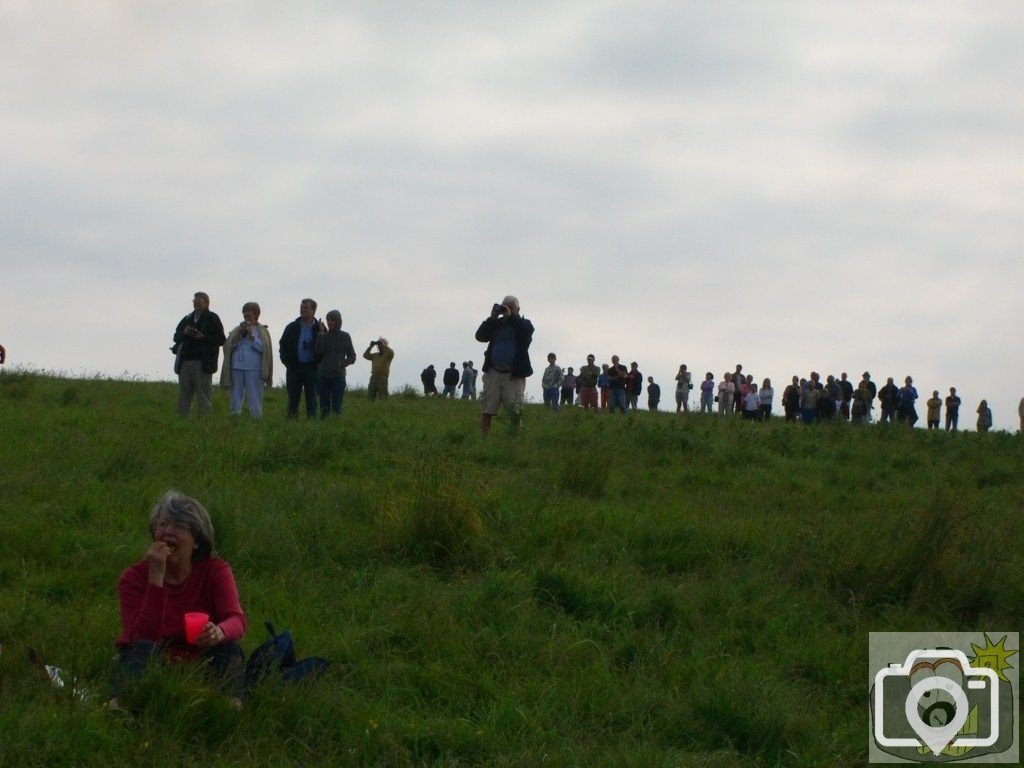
315,354
808,400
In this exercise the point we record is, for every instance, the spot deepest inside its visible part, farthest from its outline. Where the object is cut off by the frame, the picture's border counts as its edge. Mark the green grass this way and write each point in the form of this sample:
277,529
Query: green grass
642,591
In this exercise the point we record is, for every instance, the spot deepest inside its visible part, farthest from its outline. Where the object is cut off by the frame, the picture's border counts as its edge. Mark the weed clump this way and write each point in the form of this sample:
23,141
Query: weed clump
584,476
437,524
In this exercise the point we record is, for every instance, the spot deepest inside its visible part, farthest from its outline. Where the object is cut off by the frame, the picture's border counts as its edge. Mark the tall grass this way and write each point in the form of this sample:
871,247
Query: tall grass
648,591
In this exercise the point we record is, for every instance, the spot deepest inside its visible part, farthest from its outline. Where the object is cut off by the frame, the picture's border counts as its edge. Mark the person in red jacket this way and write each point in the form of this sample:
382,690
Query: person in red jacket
179,574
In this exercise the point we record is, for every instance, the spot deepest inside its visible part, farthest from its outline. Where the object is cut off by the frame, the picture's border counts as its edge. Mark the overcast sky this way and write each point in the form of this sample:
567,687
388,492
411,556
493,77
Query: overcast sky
835,186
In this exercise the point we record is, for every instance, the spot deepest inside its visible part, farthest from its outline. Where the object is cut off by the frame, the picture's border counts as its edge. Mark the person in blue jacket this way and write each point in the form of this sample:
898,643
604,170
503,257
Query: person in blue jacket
506,362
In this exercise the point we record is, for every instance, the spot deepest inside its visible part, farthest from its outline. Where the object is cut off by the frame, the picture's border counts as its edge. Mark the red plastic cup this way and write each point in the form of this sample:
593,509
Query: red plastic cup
194,623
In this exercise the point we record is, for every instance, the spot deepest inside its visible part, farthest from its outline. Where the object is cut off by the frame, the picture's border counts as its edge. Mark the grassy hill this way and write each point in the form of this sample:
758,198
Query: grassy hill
602,590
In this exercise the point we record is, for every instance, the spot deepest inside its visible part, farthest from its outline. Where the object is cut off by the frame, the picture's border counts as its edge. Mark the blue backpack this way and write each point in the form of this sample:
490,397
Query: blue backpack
277,655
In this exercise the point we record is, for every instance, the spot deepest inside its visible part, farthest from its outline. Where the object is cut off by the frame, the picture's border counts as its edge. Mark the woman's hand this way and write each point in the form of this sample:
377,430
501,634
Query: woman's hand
157,559
210,636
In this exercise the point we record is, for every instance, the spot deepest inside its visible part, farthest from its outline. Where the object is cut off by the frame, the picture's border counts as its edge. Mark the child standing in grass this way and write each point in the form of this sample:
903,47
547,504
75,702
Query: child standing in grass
751,403
551,382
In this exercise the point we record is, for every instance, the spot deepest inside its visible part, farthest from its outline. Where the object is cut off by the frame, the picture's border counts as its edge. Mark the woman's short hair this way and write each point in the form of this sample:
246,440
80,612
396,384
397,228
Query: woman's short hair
251,306
184,509
334,315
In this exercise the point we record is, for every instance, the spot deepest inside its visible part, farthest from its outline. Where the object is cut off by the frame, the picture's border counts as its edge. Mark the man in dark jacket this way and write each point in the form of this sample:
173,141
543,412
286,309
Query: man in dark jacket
451,381
506,362
888,396
298,354
197,342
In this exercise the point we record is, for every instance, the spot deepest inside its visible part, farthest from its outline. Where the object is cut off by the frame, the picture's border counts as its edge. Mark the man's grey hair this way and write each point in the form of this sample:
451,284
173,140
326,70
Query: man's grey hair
510,301
184,509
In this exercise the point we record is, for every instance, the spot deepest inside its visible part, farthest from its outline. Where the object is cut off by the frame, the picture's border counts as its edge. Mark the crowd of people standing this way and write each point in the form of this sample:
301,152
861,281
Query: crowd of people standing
316,354
613,387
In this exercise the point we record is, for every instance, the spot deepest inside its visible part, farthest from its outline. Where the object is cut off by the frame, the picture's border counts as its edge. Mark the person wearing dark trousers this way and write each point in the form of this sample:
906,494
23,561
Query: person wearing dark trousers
952,410
197,342
450,379
653,394
298,354
334,353
888,396
618,382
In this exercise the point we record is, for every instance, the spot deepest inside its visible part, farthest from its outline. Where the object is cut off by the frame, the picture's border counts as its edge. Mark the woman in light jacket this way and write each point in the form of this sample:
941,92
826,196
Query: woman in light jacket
248,362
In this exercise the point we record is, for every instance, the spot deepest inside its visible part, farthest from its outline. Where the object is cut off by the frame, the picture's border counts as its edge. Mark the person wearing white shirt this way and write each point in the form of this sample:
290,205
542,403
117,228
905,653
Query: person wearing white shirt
751,404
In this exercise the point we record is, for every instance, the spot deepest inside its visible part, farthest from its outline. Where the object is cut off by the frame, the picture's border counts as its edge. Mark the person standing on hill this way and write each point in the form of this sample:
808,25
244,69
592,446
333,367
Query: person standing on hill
751,403
952,409
707,393
429,380
809,403
569,387
846,392
197,342
469,382
551,382
248,362
3,354
603,383
741,388
450,381
635,385
380,368
866,379
984,417
934,409
587,381
861,402
1020,413
726,392
653,394
766,395
297,350
738,377
618,384
683,387
508,336
906,399
888,396
791,399
834,393
334,353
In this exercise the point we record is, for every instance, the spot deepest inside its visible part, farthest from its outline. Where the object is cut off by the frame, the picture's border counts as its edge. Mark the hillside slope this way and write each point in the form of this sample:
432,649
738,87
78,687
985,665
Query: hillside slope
645,590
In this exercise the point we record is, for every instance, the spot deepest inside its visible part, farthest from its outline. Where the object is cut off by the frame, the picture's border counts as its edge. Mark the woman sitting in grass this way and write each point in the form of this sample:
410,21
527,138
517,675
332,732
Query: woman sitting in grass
179,574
